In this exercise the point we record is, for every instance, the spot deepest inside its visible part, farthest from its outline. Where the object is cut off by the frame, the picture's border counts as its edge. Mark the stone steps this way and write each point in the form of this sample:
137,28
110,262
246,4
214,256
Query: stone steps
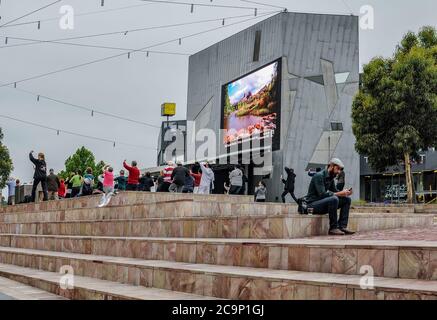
123,198
172,209
86,288
394,259
12,290
208,280
175,246
258,227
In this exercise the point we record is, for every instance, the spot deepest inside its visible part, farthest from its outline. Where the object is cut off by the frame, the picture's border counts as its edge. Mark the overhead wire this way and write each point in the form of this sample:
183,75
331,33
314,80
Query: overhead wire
91,111
179,39
30,13
114,142
79,15
125,32
264,4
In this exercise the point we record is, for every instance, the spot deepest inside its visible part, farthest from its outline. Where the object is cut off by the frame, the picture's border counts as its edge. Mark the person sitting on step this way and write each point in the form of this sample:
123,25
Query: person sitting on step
324,198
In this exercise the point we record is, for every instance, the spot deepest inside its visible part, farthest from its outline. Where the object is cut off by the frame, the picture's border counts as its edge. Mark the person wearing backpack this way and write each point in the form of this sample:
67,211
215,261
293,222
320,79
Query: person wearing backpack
40,175
88,183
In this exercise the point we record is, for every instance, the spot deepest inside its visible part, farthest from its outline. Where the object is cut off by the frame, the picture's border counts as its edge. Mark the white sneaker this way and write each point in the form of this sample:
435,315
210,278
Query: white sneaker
102,201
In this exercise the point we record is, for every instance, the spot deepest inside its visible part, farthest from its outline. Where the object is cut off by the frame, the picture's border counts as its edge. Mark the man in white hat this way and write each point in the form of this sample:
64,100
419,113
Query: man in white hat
324,198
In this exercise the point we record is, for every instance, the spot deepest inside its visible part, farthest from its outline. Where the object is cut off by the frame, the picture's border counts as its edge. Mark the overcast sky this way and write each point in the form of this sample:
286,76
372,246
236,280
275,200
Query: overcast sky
136,87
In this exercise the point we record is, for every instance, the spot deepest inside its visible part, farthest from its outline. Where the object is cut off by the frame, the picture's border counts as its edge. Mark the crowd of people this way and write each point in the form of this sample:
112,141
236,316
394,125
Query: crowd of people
326,193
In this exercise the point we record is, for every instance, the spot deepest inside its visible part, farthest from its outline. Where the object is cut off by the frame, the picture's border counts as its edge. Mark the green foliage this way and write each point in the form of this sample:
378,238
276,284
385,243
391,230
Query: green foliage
228,106
81,160
6,166
395,112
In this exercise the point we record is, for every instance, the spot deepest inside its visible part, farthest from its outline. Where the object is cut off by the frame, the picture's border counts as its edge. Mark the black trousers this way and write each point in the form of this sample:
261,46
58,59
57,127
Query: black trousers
235,190
43,181
284,194
75,191
132,187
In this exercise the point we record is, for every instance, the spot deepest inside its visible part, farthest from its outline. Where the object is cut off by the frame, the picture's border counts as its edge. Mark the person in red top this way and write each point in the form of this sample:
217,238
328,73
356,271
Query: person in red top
62,189
134,176
197,176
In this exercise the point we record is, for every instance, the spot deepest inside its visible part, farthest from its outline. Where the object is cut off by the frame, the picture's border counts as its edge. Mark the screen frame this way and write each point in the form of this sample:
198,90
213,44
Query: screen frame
276,143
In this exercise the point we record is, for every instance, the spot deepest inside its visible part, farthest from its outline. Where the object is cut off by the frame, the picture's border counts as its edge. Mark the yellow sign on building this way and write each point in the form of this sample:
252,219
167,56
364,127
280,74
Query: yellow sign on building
168,109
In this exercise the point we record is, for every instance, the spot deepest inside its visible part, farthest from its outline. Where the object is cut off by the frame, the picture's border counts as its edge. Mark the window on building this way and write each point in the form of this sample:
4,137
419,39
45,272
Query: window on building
257,46
336,126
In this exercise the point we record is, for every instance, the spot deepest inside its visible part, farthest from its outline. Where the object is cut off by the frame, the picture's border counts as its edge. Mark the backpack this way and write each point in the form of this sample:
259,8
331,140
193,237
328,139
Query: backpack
87,188
302,205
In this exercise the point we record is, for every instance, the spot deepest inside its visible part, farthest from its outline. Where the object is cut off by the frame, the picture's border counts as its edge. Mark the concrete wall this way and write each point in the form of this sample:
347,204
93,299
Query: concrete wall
320,74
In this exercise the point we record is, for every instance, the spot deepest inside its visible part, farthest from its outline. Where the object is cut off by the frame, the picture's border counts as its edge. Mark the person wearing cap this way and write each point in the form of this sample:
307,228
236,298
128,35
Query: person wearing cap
324,198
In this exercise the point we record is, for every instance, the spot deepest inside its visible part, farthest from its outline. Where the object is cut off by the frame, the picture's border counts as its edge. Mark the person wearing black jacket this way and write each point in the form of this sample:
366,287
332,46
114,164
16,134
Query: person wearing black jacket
178,177
289,184
146,182
40,175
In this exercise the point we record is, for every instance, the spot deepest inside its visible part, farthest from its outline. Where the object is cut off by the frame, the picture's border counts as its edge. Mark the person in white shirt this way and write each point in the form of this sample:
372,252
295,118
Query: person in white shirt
207,180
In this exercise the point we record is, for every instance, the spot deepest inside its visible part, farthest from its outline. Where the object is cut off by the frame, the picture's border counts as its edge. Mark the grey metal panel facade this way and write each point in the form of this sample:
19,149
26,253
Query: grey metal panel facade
305,42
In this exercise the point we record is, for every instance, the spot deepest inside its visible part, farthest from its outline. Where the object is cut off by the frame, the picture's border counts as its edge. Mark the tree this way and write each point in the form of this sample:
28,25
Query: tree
81,160
6,166
395,112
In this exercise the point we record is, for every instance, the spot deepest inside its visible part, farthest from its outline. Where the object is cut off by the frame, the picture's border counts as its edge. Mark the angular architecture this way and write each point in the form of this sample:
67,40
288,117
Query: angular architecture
317,71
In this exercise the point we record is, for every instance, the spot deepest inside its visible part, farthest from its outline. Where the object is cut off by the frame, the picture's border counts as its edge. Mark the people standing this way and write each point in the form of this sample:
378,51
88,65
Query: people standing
166,174
207,180
121,181
261,192
197,176
62,190
69,183
134,176
53,184
236,180
289,184
11,184
88,183
40,175
108,185
146,182
178,178
188,184
76,184
161,185
245,181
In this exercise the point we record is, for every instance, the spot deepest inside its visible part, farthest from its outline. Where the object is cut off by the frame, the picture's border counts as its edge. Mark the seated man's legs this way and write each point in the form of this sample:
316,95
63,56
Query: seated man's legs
328,205
344,205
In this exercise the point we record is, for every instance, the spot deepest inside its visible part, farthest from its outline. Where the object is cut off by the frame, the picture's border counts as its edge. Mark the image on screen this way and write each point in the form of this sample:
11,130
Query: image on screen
251,106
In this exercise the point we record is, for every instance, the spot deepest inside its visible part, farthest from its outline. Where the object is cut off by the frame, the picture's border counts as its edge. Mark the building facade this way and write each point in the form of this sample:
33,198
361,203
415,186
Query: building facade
390,186
319,73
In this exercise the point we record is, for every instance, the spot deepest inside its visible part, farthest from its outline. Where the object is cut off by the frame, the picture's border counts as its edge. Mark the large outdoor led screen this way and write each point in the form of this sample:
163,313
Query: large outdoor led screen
251,106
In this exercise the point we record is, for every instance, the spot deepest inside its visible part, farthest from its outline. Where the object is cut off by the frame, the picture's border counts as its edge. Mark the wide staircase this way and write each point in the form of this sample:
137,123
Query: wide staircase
179,247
